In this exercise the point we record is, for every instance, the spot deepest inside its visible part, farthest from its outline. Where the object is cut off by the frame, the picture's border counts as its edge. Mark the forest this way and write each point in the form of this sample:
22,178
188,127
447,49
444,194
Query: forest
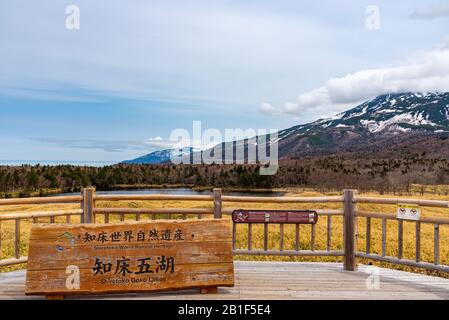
322,173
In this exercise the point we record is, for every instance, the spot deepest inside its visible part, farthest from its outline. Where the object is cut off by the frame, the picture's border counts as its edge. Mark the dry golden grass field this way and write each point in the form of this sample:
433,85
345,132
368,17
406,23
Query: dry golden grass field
7,228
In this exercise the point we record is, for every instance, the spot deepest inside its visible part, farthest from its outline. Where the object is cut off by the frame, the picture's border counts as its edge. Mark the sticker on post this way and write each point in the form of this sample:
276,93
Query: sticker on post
408,212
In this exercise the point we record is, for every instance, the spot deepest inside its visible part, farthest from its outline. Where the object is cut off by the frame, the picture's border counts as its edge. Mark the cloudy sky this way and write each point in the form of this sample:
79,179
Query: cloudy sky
136,70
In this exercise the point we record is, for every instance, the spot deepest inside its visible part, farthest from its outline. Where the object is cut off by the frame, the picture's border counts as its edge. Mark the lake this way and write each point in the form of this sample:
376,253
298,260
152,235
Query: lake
182,191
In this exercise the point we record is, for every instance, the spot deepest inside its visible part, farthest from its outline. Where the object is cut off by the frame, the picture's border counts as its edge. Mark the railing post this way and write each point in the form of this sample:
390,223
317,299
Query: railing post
217,203
349,230
88,205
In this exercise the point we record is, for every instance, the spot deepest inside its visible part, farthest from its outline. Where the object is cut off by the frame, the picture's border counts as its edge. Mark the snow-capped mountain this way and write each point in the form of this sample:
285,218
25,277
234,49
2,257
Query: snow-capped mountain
382,121
401,112
161,156
390,125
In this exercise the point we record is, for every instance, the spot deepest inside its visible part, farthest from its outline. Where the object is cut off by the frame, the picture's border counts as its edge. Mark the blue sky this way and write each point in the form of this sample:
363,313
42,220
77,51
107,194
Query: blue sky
136,70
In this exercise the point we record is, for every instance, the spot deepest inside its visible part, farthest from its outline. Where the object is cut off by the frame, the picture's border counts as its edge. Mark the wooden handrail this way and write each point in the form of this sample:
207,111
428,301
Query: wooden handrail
41,200
9,262
392,216
39,214
307,253
423,203
138,197
405,262
226,211
282,199
223,198
154,211
357,199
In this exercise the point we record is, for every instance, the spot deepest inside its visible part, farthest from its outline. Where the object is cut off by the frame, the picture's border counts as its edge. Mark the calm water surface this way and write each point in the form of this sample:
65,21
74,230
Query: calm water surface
182,191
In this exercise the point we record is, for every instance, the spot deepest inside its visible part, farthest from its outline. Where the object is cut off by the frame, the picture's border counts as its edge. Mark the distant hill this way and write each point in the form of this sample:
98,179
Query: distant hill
159,157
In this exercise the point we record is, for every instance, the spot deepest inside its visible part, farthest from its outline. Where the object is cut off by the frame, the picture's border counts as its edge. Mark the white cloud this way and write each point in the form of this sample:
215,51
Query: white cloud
433,12
429,73
267,108
161,144
105,145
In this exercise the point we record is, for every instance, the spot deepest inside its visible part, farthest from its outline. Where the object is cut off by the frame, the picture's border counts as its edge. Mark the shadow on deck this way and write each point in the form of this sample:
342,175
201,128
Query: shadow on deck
284,280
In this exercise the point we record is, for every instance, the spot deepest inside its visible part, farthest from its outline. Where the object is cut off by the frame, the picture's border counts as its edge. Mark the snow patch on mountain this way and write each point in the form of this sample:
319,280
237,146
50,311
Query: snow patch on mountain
407,118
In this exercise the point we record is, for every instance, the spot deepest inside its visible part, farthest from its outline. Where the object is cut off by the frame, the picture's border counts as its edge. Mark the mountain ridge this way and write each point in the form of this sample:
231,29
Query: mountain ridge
389,125
401,117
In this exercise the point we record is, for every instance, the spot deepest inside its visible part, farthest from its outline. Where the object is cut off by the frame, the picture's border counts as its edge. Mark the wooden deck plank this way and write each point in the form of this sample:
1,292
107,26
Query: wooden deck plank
283,280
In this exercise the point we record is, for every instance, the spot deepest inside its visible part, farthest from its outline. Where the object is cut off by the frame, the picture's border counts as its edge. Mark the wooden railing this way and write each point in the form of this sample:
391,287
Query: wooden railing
89,213
384,217
35,216
217,211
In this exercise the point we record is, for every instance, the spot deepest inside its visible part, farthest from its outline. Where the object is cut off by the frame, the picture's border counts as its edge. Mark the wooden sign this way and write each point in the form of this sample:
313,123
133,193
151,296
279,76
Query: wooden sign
129,257
408,212
275,216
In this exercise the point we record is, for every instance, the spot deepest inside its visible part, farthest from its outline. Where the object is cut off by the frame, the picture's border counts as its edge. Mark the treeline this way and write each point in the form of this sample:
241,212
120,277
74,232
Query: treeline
25,180
384,175
324,173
